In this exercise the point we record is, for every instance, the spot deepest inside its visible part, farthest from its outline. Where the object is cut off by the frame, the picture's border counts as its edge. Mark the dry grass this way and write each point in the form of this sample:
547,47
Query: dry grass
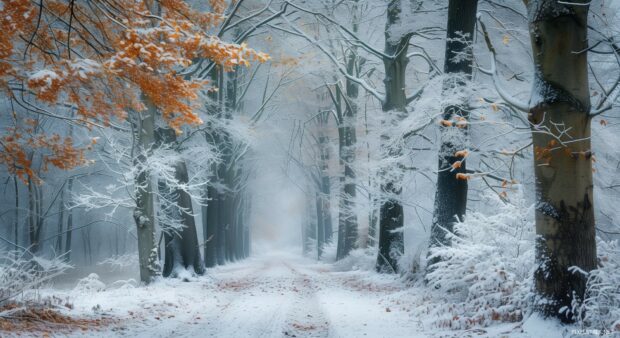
18,318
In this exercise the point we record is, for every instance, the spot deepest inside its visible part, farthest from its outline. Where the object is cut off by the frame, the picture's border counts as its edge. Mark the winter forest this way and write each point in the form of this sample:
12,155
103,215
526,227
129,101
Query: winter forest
309,168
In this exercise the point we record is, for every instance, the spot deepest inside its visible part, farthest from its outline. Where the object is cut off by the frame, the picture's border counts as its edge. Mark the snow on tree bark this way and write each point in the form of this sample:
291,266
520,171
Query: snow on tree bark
391,213
144,212
451,193
560,123
181,245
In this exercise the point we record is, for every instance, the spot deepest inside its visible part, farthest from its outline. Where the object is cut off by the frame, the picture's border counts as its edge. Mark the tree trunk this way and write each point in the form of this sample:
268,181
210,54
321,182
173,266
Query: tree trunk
451,193
16,224
181,246
144,213
324,214
69,224
246,229
61,219
347,219
239,225
320,225
210,211
391,214
35,216
222,228
210,230
564,207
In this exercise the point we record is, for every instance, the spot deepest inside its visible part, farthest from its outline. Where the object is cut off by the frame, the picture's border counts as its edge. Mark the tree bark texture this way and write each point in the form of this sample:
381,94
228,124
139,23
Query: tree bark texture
563,158
451,194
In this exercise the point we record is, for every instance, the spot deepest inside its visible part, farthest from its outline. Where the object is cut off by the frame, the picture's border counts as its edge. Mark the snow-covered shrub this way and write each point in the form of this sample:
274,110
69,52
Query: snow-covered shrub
329,251
485,275
601,308
358,259
91,283
20,272
123,284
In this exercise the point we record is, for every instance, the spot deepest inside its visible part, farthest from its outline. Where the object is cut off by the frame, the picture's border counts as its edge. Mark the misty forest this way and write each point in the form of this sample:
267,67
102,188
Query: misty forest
309,168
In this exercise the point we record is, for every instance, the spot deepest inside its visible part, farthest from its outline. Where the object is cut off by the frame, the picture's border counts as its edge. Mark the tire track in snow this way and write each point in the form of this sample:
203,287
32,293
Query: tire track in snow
305,319
254,305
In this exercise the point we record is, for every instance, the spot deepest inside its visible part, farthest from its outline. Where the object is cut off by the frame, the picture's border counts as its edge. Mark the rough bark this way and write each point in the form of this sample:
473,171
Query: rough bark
144,213
347,121
391,214
564,208
347,219
451,194
181,246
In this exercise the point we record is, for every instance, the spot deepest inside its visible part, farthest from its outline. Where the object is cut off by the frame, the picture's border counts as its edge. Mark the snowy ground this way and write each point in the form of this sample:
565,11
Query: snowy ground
273,295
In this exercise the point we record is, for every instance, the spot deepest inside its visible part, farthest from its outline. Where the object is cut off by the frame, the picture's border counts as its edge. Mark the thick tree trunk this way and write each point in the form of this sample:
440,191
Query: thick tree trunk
144,213
451,193
181,246
391,214
564,208
210,211
347,219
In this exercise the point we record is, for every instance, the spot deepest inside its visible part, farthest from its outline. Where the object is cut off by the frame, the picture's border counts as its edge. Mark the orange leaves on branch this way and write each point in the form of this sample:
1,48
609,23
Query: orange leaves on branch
461,176
102,66
15,16
446,123
55,150
461,153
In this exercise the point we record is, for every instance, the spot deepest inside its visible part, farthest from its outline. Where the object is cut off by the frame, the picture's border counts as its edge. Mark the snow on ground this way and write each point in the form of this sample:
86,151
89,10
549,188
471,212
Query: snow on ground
278,294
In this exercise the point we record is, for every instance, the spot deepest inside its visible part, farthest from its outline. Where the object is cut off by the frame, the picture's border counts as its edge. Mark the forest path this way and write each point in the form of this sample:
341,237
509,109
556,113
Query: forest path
277,294
280,294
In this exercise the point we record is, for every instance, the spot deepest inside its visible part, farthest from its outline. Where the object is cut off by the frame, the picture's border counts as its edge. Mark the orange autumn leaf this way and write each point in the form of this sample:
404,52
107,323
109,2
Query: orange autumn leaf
446,123
461,153
461,176
98,70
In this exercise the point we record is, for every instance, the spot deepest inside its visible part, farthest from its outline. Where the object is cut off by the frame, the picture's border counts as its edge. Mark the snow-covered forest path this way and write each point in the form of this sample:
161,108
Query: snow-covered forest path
278,294
283,295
